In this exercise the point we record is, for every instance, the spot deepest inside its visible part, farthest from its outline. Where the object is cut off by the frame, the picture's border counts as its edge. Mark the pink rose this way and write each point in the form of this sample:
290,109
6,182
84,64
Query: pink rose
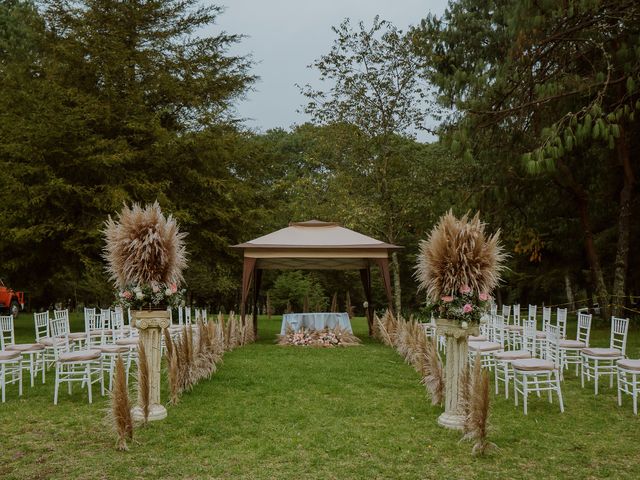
447,298
126,294
174,288
483,297
467,308
465,289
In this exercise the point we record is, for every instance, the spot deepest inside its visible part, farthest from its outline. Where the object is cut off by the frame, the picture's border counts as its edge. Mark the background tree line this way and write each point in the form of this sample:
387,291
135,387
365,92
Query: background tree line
105,102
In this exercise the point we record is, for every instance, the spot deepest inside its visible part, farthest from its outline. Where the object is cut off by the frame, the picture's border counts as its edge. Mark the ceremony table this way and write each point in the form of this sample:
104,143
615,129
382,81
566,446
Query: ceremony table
315,321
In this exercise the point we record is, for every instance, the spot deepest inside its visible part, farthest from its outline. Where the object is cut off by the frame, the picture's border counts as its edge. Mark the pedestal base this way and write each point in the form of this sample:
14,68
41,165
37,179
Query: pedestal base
452,421
156,412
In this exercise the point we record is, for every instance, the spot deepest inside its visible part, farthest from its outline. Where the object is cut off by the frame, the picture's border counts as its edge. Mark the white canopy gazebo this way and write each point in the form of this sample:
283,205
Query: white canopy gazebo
314,245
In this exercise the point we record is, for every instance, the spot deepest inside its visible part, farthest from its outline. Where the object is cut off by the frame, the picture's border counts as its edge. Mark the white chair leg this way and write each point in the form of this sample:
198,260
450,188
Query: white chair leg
88,374
3,384
549,392
619,390
55,390
559,394
525,392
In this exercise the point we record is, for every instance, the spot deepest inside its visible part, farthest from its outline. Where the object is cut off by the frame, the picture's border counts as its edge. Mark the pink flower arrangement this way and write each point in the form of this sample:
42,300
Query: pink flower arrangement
483,297
468,308
465,289
447,298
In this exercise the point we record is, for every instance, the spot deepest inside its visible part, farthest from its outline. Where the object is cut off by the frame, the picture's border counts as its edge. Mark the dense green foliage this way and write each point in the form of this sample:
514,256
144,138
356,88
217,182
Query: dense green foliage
111,102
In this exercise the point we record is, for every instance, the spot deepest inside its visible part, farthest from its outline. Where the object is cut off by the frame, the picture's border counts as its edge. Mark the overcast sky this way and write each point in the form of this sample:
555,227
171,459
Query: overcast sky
284,36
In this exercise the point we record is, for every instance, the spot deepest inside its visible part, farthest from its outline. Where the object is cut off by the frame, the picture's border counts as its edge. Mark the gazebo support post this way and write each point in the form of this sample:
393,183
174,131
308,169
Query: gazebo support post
247,273
257,276
365,276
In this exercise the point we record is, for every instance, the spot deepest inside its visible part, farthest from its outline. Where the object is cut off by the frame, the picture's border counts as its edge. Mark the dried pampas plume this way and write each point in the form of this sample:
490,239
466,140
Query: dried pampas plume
144,246
458,252
144,381
434,374
476,425
120,412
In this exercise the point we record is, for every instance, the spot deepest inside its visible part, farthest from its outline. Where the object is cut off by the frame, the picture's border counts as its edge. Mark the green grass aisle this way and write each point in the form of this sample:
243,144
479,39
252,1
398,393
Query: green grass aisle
292,413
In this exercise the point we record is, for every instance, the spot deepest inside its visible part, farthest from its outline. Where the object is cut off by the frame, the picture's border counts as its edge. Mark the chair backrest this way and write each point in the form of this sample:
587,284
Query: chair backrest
546,317
584,328
187,315
516,314
561,317
506,312
529,336
553,344
61,314
180,315
204,316
533,312
619,330
494,309
89,311
6,330
105,315
498,329
117,323
41,322
59,328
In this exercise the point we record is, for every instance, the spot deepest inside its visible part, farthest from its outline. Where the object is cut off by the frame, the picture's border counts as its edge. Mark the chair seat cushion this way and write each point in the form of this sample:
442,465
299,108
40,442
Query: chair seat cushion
479,338
6,356
541,335
573,344
514,328
77,335
113,348
485,347
48,341
602,352
79,356
533,365
513,355
26,347
629,364
128,341
98,332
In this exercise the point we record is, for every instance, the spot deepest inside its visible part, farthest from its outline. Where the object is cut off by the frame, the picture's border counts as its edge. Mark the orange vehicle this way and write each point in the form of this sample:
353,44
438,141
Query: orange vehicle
10,300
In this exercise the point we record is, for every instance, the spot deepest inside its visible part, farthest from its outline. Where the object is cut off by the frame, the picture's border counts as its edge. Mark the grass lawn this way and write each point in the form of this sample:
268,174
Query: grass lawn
292,412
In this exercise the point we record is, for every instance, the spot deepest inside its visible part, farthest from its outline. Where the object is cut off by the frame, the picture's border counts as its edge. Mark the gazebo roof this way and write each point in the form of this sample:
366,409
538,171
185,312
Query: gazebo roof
315,234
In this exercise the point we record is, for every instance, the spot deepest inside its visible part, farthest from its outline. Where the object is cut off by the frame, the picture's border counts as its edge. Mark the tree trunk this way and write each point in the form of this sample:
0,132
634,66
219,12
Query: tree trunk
582,199
624,219
570,298
397,289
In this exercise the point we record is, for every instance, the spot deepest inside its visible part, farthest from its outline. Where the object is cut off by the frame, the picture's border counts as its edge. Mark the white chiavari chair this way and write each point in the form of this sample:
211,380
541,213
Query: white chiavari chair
10,369
32,353
504,371
570,349
598,362
629,380
535,375
83,366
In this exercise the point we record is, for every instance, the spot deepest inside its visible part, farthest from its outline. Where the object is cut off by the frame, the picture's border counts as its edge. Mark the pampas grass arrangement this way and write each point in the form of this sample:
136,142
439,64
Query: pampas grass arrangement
143,246
120,412
459,252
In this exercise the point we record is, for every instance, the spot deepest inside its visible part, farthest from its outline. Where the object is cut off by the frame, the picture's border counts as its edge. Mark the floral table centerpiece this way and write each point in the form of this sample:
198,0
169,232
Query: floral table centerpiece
145,256
459,265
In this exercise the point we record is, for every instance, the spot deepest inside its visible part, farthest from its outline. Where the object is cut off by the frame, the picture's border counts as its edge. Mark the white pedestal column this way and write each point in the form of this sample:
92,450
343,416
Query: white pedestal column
455,363
150,325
